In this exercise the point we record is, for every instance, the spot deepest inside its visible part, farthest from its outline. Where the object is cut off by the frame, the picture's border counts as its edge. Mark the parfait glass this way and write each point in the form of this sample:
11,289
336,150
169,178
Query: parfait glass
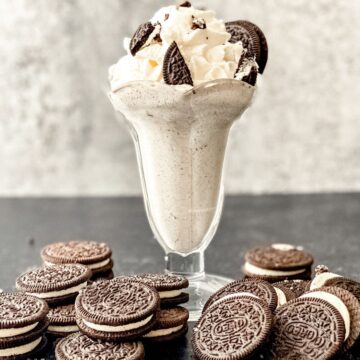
180,135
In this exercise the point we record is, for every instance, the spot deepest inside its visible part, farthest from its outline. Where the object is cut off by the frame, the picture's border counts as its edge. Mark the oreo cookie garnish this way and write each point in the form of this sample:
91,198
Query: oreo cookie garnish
175,70
140,37
198,23
252,39
251,77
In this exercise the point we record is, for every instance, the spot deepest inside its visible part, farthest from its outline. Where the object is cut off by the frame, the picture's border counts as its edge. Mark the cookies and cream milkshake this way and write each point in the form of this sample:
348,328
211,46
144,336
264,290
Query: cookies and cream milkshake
186,78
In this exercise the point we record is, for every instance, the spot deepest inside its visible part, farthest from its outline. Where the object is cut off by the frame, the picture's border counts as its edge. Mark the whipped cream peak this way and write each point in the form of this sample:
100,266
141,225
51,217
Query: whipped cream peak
202,39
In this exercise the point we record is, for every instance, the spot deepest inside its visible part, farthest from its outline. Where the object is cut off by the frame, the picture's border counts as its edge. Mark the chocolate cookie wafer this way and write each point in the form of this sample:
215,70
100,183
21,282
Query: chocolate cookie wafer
96,256
56,284
260,288
170,287
306,328
117,310
171,324
80,347
234,327
278,262
348,306
62,320
297,287
283,295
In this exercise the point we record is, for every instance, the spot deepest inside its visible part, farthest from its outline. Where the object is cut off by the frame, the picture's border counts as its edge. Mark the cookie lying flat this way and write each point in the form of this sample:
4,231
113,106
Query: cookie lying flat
117,310
56,284
170,287
62,320
22,325
171,324
234,327
96,256
80,347
348,306
260,288
278,262
307,328
296,287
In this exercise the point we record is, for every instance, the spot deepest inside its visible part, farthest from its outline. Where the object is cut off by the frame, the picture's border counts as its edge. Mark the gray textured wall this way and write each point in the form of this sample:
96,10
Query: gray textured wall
59,135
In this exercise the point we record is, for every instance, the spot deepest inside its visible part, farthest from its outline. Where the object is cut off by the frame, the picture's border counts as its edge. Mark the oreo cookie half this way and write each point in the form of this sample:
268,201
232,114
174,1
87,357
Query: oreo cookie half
175,70
349,308
278,262
262,289
169,287
62,320
306,328
96,256
140,37
56,284
117,310
171,324
79,346
234,327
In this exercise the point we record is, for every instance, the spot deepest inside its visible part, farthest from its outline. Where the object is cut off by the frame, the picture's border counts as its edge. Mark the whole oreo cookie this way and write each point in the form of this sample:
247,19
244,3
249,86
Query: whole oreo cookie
261,289
96,256
62,320
308,328
80,347
117,310
56,284
235,327
171,324
278,262
169,287
175,70
348,303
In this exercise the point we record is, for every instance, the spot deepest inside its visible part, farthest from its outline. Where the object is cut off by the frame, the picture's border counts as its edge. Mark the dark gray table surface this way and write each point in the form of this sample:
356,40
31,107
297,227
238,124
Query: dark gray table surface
327,225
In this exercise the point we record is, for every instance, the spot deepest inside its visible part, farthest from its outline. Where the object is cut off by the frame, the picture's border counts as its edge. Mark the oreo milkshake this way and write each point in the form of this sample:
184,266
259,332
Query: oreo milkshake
186,78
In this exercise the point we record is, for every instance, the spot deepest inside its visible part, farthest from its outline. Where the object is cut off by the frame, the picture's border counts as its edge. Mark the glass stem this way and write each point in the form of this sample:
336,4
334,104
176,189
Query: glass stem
192,265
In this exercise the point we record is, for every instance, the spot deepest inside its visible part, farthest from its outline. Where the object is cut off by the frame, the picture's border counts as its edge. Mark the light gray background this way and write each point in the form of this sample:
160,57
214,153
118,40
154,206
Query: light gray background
59,135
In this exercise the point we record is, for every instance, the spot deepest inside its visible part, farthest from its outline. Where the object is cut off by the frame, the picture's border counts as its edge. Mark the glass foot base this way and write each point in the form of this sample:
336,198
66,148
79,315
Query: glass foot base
200,289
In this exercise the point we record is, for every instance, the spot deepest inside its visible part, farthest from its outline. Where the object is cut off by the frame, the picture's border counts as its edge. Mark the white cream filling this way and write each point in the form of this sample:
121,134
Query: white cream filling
63,329
4,333
281,297
22,349
283,247
94,266
163,332
321,279
58,293
252,269
118,328
169,294
337,303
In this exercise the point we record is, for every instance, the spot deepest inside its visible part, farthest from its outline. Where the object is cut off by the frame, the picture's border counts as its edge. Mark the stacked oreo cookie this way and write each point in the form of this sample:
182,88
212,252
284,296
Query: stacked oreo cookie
23,325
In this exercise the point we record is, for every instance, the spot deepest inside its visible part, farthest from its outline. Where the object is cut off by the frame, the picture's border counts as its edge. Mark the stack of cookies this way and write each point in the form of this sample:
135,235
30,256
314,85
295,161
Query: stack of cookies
288,319
23,325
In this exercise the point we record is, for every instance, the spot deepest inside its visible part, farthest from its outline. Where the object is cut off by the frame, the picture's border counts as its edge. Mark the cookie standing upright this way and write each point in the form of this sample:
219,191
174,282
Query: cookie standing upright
117,310
22,325
56,284
78,346
278,262
96,256
171,288
307,328
234,327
